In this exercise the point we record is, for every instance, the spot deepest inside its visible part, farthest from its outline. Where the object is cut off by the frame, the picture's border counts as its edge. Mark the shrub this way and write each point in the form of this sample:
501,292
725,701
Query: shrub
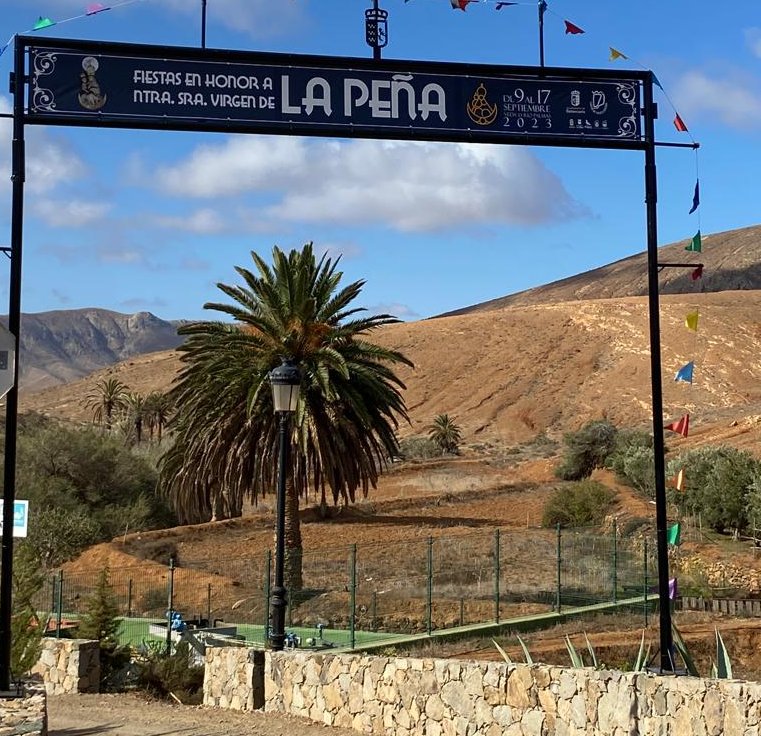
718,484
418,448
175,675
26,628
583,503
587,449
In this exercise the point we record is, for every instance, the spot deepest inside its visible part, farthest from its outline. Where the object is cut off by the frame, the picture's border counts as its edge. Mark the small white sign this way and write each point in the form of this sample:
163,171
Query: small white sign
20,518
7,360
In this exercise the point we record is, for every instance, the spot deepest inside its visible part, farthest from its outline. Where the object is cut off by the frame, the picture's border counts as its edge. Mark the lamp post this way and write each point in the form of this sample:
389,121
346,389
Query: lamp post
285,381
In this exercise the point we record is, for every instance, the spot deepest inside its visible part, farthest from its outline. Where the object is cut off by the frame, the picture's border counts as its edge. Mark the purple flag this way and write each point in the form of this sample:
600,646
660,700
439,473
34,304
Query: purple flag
673,589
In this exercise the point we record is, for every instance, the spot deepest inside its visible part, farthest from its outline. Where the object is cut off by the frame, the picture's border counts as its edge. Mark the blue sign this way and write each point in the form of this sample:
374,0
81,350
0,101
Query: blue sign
20,518
328,96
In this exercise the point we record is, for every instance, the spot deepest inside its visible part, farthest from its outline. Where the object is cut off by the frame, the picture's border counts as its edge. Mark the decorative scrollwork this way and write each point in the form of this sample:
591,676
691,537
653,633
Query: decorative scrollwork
627,125
43,99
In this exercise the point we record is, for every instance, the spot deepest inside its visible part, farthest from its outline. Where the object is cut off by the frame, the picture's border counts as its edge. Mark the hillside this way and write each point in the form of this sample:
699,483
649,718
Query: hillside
732,263
509,374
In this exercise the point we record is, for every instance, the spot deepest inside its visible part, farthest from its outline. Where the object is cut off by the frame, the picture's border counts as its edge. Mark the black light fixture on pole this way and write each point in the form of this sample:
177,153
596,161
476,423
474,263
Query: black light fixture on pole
285,381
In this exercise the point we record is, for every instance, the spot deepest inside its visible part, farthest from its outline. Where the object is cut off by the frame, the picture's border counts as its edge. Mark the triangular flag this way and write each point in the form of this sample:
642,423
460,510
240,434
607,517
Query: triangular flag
696,244
673,586
502,5
95,8
678,480
674,536
43,23
572,28
681,427
2,50
679,124
461,4
697,273
691,321
616,54
685,373
657,82
695,197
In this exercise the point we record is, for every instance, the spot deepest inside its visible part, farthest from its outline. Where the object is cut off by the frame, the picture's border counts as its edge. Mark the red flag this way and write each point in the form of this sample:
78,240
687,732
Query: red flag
697,273
461,4
572,28
681,427
679,124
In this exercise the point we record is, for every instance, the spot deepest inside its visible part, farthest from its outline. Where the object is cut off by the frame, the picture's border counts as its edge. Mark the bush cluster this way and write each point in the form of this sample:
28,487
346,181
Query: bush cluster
632,460
722,484
581,503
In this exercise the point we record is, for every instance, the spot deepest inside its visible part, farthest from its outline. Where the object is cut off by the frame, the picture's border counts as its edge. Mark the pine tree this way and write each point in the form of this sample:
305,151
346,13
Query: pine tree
101,618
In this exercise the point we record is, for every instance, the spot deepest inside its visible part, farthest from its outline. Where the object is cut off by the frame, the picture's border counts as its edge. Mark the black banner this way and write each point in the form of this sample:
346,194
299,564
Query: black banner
325,95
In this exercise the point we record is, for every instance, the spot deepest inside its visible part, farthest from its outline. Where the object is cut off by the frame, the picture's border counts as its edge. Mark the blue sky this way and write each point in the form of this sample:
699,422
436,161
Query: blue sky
138,220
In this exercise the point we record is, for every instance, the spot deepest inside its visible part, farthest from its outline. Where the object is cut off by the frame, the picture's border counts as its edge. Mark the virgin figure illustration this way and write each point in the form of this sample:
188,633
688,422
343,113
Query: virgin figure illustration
90,95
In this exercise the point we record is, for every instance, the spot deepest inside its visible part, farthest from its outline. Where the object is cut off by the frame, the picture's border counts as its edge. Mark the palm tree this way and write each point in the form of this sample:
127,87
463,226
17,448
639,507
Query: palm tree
106,398
158,409
344,430
445,433
135,410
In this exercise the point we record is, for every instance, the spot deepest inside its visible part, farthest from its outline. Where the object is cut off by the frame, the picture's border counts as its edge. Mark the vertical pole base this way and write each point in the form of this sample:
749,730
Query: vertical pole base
277,635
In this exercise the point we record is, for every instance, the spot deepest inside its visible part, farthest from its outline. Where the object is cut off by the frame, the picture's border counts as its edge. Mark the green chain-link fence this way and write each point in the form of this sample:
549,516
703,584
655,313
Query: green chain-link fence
364,593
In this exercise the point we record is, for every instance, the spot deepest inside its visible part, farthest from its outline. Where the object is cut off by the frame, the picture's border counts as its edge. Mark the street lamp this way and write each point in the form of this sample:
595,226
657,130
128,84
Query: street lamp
285,381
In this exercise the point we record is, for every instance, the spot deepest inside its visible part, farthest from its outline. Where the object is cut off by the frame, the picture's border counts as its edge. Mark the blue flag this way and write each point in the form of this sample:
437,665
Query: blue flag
695,197
685,373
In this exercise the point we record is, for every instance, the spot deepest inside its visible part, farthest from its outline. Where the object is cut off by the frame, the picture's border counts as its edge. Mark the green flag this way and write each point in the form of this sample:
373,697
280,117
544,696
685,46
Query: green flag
695,244
674,535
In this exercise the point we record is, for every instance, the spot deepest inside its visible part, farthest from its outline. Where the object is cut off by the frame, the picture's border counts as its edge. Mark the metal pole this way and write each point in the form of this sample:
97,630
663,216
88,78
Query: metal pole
496,575
558,562
208,605
11,407
352,595
615,562
651,200
542,9
170,606
129,599
277,638
267,599
374,610
59,605
376,48
429,592
203,24
644,579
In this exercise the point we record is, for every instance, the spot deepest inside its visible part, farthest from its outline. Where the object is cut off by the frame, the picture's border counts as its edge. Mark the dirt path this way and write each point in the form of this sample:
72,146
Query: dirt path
132,715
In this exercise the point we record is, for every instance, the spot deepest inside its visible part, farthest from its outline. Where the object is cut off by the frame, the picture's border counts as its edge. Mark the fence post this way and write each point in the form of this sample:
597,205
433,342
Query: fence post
558,562
644,583
59,605
208,604
429,597
374,610
129,598
352,595
615,562
496,575
462,612
170,601
267,578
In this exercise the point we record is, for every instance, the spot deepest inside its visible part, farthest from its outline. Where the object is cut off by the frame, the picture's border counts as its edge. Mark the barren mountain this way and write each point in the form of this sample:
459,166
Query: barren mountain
60,346
732,262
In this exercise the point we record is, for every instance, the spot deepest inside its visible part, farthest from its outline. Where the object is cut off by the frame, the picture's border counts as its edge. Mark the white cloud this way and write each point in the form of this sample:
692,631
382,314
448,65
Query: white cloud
202,222
49,162
753,39
408,186
73,213
400,311
734,100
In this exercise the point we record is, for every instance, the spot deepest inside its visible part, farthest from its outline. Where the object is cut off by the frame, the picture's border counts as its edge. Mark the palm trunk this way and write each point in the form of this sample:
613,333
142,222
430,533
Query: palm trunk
292,572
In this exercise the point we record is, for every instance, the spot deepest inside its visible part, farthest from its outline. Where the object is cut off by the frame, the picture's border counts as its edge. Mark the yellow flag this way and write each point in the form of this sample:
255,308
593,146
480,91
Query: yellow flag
616,54
680,480
691,321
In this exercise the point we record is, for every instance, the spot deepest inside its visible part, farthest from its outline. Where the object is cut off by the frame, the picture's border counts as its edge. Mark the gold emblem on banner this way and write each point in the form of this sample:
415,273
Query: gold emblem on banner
479,109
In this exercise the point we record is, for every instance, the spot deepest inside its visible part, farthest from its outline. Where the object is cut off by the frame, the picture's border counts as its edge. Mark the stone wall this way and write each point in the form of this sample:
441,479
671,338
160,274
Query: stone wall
412,697
26,715
69,666
234,678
